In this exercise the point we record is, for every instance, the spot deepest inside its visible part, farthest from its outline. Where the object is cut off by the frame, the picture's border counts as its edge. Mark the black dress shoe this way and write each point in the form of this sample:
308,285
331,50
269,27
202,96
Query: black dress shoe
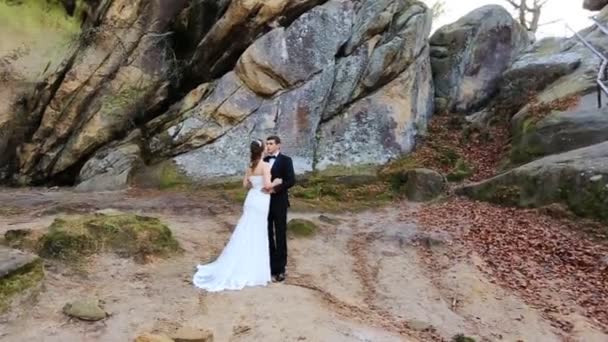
280,277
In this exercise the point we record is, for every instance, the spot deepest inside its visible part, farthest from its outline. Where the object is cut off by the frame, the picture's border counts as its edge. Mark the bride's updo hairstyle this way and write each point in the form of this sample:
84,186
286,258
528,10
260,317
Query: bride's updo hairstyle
256,148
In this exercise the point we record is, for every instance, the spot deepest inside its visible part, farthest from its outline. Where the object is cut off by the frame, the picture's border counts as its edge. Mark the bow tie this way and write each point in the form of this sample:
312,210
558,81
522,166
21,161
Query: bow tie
271,157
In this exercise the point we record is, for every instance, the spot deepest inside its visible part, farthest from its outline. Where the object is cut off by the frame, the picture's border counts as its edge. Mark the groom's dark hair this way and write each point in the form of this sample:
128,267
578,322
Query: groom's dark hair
275,138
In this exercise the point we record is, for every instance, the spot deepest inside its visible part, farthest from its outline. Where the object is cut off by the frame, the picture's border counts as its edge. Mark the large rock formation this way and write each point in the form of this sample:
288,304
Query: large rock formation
202,78
561,132
28,49
550,95
120,72
578,178
424,185
470,55
556,96
111,167
305,80
594,5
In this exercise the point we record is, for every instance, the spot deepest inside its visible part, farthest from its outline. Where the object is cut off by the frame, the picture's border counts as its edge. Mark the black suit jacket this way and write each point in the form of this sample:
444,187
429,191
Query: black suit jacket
283,169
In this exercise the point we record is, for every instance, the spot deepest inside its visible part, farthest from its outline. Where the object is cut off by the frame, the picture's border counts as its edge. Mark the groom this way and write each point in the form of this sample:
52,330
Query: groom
281,167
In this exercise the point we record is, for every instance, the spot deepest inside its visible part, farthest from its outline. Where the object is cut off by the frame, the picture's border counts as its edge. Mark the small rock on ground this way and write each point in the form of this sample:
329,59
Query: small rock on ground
153,338
87,309
191,334
419,325
329,220
12,260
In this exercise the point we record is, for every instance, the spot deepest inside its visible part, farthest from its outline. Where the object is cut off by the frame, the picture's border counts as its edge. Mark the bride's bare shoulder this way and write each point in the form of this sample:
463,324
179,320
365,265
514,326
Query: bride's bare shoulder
259,169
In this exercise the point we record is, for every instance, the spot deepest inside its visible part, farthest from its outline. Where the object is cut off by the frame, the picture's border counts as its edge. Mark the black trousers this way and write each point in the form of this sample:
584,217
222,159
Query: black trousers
277,237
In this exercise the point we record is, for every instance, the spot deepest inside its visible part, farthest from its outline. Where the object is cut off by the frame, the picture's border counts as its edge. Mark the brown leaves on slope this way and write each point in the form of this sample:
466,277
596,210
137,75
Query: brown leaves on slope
485,151
446,144
449,140
538,111
545,259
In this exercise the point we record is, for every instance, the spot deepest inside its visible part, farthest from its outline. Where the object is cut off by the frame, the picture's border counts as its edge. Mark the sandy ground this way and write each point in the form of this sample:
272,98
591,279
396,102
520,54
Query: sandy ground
368,278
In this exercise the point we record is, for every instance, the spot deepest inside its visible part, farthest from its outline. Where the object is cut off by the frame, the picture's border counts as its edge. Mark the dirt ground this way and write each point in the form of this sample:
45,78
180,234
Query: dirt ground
367,278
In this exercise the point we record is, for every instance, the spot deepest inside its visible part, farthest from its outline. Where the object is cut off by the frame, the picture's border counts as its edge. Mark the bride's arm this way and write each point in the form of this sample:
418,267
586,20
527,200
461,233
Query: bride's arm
246,182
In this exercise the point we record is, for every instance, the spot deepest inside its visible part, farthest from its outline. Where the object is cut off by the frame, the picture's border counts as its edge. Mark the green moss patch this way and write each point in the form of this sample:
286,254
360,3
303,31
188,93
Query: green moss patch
357,170
124,234
524,151
333,190
36,16
121,101
165,175
399,166
500,194
25,278
301,227
171,176
587,200
340,193
462,338
461,171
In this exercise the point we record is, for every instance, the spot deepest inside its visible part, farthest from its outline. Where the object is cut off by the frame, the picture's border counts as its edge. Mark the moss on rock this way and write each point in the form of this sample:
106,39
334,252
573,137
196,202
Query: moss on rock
462,170
165,175
523,148
498,193
171,176
301,227
23,279
130,95
398,167
37,16
424,185
125,234
447,156
462,338
334,192
587,200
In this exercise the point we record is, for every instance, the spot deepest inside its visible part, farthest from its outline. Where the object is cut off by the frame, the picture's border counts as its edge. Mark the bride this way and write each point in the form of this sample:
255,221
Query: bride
245,261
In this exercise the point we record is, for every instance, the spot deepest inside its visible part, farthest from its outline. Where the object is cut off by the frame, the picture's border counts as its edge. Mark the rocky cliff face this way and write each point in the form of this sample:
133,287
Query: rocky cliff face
470,55
594,5
36,37
549,95
167,91
187,84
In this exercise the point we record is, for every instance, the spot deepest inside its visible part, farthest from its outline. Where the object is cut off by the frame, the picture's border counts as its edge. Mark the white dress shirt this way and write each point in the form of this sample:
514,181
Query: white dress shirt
271,161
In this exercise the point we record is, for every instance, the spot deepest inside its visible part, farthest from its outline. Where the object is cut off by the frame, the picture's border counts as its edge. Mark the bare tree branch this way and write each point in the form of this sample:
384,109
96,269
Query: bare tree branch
528,15
549,22
513,3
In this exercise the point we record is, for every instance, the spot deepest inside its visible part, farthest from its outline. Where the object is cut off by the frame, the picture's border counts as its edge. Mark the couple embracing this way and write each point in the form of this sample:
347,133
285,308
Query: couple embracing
257,250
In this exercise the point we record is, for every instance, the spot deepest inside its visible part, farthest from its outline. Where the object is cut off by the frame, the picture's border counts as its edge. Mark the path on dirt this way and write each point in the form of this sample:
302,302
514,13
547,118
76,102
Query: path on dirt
367,278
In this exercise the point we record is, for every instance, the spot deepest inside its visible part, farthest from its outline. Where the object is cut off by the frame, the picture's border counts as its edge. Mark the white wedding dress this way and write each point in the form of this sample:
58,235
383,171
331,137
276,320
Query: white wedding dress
245,261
